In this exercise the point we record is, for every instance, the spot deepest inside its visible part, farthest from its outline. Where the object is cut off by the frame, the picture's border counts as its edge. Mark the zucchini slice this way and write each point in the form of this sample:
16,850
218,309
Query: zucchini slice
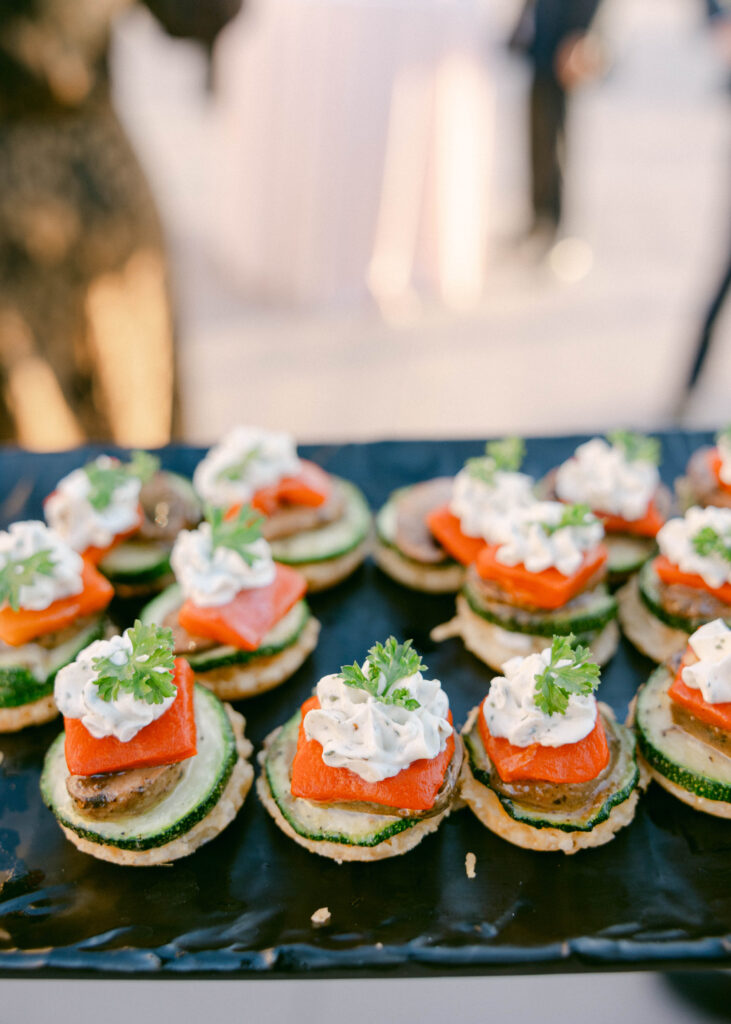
624,780
627,553
589,615
137,561
328,823
284,634
204,779
27,673
684,759
331,540
649,584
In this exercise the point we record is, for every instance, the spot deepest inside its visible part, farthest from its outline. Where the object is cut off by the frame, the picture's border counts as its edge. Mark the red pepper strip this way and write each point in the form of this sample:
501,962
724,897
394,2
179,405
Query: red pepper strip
447,529
414,788
546,589
168,740
669,573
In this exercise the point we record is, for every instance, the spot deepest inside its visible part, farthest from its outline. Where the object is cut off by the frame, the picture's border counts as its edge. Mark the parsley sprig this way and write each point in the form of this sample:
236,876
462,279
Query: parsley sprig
237,470
708,542
570,670
505,455
148,671
636,447
572,515
237,533
105,479
21,572
387,663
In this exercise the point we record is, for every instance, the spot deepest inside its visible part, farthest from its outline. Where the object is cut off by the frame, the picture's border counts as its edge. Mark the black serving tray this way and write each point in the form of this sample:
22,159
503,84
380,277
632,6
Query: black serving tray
657,896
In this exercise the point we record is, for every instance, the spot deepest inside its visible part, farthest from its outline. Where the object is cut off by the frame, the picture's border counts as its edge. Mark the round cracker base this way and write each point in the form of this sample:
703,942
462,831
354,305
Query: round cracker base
237,682
331,571
220,815
495,645
426,578
37,712
644,630
718,808
340,852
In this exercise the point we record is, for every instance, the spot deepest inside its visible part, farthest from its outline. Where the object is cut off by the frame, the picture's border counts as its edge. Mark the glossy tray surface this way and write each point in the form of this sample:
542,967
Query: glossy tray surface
658,895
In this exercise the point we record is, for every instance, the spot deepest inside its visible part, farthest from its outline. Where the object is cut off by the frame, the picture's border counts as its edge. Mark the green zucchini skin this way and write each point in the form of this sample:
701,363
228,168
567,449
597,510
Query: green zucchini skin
286,633
55,761
627,554
478,760
368,829
331,540
654,725
650,596
592,620
18,684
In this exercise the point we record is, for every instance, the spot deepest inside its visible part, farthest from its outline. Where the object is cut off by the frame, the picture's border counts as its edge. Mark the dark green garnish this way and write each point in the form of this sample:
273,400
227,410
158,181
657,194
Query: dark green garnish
104,480
21,572
237,470
505,455
636,447
148,671
387,663
237,533
556,683
708,542
572,515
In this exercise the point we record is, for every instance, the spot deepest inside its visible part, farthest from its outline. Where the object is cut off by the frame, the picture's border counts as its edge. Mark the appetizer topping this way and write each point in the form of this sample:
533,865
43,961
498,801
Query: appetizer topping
711,673
488,488
222,557
92,506
381,717
245,461
544,698
723,446
619,478
117,687
699,544
548,534
36,567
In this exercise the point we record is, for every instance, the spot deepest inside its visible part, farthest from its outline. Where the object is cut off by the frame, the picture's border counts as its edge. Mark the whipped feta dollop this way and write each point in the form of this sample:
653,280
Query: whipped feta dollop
724,450
524,540
247,459
480,505
210,576
601,476
77,694
69,511
373,739
21,541
510,710
711,674
675,540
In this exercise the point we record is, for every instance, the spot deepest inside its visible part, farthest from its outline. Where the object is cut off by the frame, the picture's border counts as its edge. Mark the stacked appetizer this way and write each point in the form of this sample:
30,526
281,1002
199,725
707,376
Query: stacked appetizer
315,522
619,480
428,533
542,573
683,721
367,766
124,517
52,605
707,480
686,586
548,768
150,766
240,619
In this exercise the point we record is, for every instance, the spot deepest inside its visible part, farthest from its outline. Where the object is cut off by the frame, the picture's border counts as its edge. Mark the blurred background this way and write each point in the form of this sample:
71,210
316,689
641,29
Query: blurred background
358,219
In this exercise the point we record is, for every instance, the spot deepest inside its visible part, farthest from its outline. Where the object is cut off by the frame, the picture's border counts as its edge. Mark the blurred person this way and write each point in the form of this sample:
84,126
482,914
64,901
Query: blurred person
86,331
554,36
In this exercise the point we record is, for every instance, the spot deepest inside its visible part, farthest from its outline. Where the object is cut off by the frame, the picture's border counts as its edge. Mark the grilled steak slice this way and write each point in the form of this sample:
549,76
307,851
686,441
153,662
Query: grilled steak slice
118,793
413,536
185,642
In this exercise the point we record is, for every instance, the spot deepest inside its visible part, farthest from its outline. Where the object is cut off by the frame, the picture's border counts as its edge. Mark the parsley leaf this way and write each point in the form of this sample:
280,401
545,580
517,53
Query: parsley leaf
105,479
504,456
237,470
556,683
387,663
147,673
572,515
636,447
237,533
21,572
708,542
